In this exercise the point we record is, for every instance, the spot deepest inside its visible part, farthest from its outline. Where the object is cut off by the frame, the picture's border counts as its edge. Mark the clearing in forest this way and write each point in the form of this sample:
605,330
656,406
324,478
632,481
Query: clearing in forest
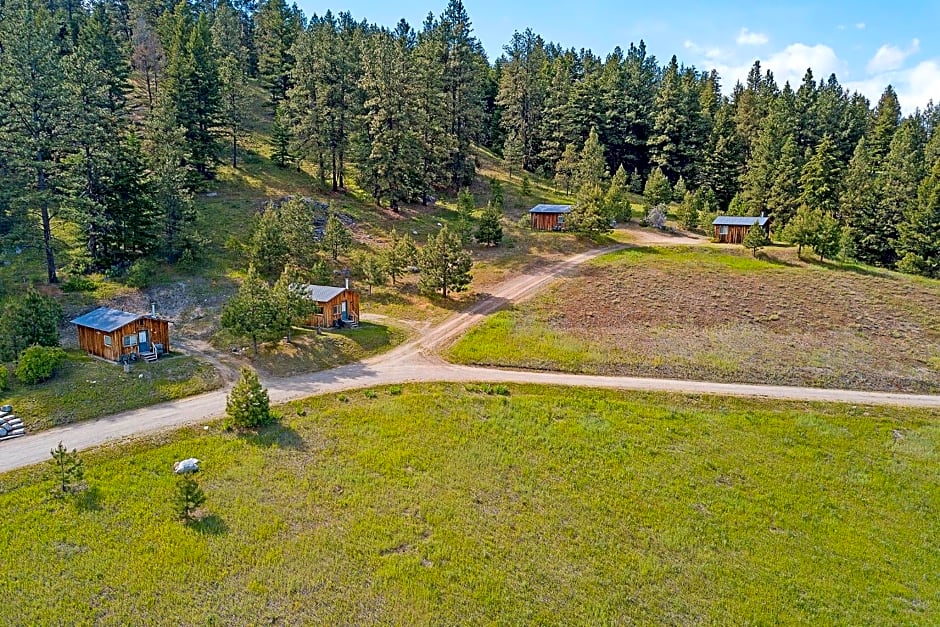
718,314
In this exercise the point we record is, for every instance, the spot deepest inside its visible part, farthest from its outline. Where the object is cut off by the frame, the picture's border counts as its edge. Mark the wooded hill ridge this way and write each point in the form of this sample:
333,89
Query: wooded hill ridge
113,112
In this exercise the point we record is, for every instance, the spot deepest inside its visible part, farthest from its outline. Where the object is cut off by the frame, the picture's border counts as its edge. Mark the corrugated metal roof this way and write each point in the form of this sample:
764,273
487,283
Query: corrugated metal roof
550,209
740,220
107,320
323,293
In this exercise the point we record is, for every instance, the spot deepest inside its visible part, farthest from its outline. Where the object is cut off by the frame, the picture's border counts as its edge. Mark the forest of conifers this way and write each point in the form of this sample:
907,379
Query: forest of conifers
113,112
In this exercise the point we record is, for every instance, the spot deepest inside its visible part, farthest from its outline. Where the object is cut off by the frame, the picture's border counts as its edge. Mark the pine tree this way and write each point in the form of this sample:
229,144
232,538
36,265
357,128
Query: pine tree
444,263
828,237
690,211
430,100
233,87
887,119
290,294
616,201
496,195
280,139
169,180
803,229
268,251
253,311
898,181
783,197
592,166
68,470
277,27
35,112
336,237
298,231
489,231
588,215
372,268
820,179
724,158
30,319
400,255
463,74
391,158
679,190
919,243
187,498
756,239
513,153
657,190
870,234
566,168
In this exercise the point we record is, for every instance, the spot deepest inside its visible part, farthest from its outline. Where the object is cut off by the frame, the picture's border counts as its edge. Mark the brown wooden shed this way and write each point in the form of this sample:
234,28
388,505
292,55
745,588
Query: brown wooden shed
549,217
112,333
733,229
339,306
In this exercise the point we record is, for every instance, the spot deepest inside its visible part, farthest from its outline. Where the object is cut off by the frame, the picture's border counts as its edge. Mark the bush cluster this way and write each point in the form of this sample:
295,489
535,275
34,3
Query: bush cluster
37,363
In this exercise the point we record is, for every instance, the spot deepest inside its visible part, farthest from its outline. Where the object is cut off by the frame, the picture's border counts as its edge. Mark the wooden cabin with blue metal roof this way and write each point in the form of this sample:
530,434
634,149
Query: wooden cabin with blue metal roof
116,335
338,306
549,217
733,229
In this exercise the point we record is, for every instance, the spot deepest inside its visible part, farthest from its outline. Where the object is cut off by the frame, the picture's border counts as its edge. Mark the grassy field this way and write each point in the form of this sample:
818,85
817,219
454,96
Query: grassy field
719,314
310,352
85,388
443,504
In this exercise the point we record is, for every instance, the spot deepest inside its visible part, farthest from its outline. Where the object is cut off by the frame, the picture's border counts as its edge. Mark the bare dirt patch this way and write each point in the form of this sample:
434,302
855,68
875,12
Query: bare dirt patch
717,314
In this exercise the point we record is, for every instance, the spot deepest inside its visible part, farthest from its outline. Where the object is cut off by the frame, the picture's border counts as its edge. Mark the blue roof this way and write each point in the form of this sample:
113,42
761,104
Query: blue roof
550,209
323,293
740,220
107,320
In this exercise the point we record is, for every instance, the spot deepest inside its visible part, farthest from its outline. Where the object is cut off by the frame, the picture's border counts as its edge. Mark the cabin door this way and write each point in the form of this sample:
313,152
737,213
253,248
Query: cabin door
345,314
143,341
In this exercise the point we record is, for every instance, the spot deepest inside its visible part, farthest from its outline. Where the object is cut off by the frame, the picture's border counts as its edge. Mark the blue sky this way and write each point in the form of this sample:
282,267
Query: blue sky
867,44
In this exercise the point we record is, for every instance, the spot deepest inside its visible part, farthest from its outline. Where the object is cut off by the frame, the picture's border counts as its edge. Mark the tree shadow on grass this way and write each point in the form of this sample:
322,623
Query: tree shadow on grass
847,267
211,525
277,435
765,256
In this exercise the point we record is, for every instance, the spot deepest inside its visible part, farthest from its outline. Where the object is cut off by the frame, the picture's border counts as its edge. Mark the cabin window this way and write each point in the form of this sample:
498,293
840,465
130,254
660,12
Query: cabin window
130,340
723,230
561,219
107,341
336,310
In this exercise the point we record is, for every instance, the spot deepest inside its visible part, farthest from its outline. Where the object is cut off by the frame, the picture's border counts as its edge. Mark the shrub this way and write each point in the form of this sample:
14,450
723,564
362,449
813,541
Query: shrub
140,273
4,377
77,283
370,394
37,363
248,405
394,390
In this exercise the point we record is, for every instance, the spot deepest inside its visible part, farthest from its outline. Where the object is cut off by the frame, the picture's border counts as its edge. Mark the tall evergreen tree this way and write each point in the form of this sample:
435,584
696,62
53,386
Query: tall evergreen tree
870,234
34,118
887,118
820,179
919,243
592,166
898,181
277,27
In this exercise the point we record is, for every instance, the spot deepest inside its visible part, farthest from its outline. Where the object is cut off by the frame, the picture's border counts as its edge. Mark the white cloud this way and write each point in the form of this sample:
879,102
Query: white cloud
790,64
915,86
891,57
748,38
860,25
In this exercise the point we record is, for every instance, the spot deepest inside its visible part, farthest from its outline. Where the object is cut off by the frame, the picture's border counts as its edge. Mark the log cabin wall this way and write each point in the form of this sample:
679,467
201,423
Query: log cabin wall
735,234
93,341
333,309
544,221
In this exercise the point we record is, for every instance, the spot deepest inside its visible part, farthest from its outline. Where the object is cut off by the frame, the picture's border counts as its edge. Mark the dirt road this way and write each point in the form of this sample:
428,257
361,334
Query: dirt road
415,361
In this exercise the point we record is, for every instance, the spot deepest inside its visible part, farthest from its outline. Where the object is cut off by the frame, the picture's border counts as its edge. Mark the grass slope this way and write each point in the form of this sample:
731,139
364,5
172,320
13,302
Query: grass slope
719,314
439,504
84,388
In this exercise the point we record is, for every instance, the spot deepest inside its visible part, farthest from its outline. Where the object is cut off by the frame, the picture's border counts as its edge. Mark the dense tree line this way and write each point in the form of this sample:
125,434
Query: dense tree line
400,107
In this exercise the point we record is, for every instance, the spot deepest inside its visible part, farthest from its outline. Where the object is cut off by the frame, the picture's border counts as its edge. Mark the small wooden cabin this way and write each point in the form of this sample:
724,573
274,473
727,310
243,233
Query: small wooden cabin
733,229
549,217
111,334
339,306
